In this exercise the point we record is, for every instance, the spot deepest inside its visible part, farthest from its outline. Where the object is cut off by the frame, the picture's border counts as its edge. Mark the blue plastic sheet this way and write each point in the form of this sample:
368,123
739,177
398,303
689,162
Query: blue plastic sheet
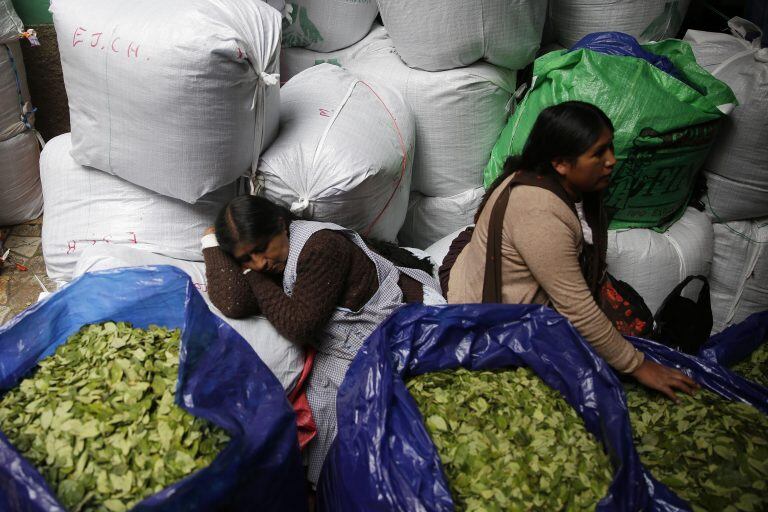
621,44
383,458
737,342
220,378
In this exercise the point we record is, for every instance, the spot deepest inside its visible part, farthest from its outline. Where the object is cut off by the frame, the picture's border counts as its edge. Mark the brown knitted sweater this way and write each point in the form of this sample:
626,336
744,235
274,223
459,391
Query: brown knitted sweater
331,271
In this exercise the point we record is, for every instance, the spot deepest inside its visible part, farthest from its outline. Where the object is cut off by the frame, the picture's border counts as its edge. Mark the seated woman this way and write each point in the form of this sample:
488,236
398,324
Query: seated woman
546,212
319,284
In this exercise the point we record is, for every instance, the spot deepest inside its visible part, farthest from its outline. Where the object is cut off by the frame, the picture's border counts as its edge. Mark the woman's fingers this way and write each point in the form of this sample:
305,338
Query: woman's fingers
667,390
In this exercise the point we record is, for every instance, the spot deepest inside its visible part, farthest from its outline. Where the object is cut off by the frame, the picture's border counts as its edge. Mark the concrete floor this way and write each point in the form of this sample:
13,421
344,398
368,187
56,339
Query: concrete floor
18,287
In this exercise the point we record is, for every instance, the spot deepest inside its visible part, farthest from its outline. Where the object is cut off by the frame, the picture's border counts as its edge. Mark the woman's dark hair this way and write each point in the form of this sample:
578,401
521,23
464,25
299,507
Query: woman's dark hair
250,220
562,131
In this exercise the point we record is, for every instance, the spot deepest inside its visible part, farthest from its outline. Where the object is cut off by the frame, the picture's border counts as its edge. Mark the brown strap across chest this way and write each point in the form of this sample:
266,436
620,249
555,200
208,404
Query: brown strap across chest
591,263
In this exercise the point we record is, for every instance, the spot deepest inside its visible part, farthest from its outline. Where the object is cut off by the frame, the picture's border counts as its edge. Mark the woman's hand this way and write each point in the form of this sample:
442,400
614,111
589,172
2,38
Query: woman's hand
665,380
210,231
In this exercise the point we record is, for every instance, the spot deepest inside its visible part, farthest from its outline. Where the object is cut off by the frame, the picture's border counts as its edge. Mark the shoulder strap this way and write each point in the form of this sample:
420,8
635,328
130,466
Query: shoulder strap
492,280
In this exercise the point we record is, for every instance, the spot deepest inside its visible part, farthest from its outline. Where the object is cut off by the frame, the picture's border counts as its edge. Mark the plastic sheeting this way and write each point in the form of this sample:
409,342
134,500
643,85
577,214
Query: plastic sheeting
664,128
177,96
344,154
383,458
738,341
618,43
220,379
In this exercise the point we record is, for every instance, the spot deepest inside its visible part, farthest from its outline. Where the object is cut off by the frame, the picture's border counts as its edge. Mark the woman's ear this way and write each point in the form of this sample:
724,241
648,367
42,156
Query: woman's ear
561,166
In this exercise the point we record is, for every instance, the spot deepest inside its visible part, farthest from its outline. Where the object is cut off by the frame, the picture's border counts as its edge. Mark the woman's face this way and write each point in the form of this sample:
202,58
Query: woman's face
591,171
269,258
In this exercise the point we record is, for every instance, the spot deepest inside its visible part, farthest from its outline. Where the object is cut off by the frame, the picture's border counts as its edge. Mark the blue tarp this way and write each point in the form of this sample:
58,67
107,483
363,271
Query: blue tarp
621,44
737,342
220,378
383,458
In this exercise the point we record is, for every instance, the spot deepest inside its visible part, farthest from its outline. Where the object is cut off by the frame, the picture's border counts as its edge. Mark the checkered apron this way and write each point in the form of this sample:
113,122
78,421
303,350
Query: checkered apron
343,335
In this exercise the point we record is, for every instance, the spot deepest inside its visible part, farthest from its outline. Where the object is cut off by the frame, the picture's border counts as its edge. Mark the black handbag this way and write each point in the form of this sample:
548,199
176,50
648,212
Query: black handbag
682,323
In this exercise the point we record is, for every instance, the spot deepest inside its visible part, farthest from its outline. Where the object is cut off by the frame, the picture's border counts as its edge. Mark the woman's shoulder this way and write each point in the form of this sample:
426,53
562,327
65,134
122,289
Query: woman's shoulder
329,242
529,202
529,197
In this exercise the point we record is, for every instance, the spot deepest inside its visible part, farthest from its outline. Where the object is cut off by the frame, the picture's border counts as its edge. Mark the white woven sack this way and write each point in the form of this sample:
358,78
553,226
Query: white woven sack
295,60
445,34
654,263
728,200
431,218
738,163
344,152
646,20
16,114
177,96
439,250
739,282
21,198
285,359
10,23
85,206
459,116
327,25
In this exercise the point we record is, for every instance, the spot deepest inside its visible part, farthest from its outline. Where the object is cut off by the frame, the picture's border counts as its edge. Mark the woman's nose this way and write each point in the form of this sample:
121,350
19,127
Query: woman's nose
258,262
610,160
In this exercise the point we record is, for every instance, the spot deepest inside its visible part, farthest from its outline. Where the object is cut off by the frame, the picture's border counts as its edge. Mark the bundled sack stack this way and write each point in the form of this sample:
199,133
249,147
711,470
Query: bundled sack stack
86,207
654,263
665,122
164,122
737,173
181,111
646,20
295,60
20,194
344,153
460,91
325,25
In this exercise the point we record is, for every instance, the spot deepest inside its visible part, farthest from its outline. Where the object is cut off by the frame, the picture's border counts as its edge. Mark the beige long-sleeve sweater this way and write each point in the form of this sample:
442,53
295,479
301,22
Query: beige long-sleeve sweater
540,246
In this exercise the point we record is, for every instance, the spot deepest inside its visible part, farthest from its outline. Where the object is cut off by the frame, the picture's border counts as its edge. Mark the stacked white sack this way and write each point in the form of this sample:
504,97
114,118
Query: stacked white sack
326,25
737,167
646,20
739,282
10,23
284,358
344,152
654,263
459,115
21,197
435,35
295,60
86,207
430,218
177,96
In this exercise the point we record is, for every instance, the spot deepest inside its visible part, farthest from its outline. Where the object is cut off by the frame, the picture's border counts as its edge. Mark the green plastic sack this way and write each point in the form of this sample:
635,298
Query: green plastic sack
664,127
